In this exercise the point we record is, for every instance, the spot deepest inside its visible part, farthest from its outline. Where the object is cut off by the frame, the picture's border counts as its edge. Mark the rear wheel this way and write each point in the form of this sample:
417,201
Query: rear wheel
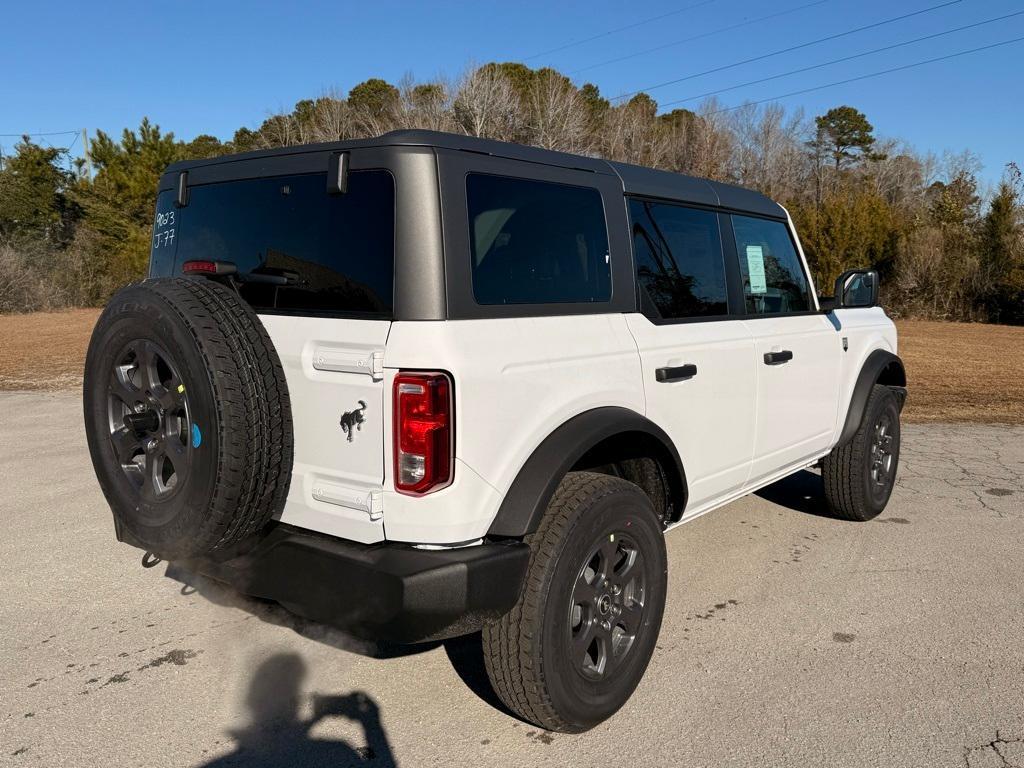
575,646
859,476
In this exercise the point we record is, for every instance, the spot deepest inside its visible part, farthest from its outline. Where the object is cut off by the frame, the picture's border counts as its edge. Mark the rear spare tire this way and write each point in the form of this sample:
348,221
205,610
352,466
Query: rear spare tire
187,418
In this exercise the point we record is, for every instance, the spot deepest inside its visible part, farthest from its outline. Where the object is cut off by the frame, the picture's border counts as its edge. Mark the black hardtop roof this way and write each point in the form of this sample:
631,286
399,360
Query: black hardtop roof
636,180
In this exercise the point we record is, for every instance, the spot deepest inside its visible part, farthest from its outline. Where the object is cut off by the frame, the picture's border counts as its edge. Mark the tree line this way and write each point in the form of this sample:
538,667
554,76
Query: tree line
857,199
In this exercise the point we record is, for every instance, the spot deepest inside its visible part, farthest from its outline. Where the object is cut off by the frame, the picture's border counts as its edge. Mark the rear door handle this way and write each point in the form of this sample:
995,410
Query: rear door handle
777,358
676,373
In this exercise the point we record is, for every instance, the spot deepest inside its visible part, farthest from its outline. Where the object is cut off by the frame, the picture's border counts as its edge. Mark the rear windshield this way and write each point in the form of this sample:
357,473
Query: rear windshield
297,248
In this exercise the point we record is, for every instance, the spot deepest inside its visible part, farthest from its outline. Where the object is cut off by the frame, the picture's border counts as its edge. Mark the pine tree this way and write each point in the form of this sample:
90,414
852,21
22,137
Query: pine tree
119,202
1002,248
33,200
845,135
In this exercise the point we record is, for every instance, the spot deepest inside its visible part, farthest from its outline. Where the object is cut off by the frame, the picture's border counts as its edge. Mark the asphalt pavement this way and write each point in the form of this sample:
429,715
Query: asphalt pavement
790,639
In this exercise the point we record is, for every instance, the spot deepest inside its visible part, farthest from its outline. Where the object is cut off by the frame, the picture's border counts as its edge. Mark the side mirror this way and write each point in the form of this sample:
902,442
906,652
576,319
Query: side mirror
856,288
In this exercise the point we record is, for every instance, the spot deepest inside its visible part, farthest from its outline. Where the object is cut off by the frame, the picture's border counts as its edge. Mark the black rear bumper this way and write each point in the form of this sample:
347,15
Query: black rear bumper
391,592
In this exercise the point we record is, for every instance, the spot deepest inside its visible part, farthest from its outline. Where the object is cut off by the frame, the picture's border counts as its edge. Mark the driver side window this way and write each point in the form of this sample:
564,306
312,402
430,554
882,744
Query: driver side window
773,276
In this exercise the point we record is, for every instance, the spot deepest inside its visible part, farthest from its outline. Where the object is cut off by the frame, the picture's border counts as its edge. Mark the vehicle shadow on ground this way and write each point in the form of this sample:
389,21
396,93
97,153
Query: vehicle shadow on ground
464,653
277,615
802,492
466,656
279,736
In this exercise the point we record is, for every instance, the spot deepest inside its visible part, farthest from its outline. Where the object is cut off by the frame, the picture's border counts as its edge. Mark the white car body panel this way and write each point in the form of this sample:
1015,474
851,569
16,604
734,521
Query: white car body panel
337,484
710,418
738,424
516,380
864,330
797,400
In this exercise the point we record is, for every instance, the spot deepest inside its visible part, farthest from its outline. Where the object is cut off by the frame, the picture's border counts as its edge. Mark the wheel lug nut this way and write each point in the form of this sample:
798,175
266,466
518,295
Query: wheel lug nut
606,625
139,407
616,589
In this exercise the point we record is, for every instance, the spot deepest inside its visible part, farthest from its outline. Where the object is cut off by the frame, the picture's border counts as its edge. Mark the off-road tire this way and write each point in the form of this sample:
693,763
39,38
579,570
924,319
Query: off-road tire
528,654
851,491
236,447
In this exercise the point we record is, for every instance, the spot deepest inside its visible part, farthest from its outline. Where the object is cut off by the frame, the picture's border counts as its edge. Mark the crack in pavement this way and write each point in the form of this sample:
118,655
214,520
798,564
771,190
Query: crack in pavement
1003,749
943,466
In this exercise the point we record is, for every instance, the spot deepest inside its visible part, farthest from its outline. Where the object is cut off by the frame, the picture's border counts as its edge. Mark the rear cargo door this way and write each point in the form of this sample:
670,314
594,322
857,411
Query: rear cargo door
334,368
317,265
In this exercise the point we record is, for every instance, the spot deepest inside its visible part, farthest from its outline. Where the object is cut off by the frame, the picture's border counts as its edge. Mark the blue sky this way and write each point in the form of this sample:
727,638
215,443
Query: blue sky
210,67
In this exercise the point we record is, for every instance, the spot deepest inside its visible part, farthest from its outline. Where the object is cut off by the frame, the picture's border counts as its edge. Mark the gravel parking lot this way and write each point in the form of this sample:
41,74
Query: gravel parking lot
790,639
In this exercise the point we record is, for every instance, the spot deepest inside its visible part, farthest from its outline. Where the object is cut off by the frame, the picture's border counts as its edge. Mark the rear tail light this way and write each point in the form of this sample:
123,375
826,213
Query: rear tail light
208,268
424,435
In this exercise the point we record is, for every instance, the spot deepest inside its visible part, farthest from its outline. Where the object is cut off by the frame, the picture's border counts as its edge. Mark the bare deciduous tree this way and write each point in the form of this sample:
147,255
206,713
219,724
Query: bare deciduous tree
898,176
767,152
332,118
426,105
487,105
631,134
558,118
711,142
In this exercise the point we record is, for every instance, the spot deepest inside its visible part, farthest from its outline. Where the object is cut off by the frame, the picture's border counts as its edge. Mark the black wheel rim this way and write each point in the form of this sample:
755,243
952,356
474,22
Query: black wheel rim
607,606
883,463
149,420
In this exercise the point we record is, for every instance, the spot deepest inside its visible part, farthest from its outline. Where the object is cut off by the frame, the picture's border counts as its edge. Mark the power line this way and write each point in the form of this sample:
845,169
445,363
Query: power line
844,58
36,133
701,36
868,76
619,29
71,162
791,48
80,133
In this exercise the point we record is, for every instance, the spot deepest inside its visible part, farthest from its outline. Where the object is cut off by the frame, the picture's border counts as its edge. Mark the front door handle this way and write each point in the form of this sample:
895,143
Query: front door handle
676,373
777,358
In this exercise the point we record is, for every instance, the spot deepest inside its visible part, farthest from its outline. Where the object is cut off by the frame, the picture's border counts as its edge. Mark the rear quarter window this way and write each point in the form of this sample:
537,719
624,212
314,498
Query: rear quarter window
297,248
536,242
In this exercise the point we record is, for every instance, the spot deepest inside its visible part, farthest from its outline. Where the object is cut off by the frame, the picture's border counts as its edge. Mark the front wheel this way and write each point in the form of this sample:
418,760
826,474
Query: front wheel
860,475
576,644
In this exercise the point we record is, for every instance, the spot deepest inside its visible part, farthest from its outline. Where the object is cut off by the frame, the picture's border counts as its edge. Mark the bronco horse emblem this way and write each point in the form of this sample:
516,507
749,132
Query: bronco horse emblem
353,420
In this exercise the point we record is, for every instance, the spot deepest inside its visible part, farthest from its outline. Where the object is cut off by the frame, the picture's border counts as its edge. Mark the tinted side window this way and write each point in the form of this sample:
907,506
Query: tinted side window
679,259
536,242
773,277
296,247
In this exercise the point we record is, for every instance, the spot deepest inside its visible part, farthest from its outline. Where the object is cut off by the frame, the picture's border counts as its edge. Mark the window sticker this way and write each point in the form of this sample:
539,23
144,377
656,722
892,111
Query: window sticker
755,269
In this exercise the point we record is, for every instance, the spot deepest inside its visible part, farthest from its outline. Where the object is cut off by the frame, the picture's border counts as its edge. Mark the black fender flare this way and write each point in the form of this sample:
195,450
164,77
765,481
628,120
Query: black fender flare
531,491
881,367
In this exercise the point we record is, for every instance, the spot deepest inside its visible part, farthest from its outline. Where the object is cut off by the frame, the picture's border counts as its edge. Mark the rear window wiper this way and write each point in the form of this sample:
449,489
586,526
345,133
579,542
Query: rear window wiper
269,275
276,277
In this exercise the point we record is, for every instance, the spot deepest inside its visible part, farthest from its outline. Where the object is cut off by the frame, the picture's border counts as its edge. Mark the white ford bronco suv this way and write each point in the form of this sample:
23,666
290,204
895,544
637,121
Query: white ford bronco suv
424,385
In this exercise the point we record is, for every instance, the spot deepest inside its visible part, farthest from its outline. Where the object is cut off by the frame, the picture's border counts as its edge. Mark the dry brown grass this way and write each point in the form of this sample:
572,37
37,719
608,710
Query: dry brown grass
963,371
956,371
44,350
